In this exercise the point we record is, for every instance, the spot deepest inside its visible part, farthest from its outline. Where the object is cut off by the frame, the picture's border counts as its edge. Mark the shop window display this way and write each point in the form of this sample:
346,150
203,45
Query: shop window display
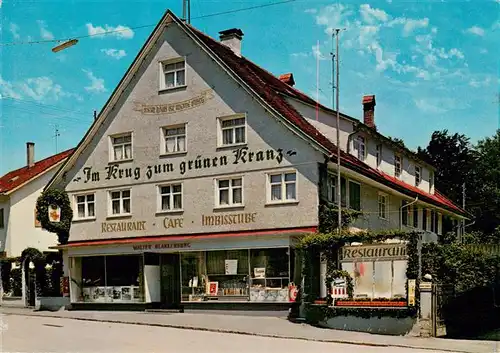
236,275
112,279
269,275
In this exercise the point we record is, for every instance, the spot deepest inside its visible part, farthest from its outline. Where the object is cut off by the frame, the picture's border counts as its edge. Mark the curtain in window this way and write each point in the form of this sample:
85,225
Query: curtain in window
170,144
118,152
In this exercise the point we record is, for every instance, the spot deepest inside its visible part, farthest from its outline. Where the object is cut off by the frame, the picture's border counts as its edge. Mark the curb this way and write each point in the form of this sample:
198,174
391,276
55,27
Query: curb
215,330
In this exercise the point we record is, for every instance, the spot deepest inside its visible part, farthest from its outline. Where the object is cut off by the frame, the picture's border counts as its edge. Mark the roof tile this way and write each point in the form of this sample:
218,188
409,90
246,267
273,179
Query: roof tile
17,177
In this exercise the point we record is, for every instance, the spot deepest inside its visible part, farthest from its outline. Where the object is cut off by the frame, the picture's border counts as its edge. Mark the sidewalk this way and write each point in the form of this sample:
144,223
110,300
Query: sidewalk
262,326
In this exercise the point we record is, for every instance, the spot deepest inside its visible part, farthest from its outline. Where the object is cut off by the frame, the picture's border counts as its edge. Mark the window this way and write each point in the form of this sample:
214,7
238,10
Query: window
174,139
379,154
85,206
424,219
434,221
354,196
382,206
230,192
418,175
120,202
121,147
232,131
397,166
174,74
360,147
431,182
350,192
283,187
170,197
2,219
415,217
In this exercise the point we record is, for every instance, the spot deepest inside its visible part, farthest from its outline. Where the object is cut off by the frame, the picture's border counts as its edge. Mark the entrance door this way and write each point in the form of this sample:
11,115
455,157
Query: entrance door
170,281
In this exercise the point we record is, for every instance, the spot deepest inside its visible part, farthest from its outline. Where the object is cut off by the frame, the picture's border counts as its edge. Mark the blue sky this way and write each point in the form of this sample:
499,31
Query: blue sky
431,64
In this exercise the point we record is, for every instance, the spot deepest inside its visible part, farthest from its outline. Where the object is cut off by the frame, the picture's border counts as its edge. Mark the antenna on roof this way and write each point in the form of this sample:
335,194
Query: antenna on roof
56,134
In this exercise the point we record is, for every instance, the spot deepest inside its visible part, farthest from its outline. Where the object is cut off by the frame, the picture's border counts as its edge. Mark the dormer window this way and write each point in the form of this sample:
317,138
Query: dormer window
418,175
398,165
360,147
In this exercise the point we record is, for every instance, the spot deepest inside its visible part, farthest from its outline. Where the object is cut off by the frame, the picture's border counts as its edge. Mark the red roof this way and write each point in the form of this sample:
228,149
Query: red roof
271,88
22,175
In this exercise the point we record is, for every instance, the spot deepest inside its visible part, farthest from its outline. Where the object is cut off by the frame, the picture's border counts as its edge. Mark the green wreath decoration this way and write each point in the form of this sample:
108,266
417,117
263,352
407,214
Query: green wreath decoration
48,199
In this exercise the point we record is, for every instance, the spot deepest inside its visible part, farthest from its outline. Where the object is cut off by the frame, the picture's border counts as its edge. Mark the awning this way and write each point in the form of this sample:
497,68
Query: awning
173,238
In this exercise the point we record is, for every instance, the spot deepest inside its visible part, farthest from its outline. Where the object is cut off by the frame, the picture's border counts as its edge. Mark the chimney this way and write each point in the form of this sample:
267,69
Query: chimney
288,79
30,154
232,38
369,111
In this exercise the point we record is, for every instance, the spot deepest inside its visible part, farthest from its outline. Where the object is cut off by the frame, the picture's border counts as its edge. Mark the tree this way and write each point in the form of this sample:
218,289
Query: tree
487,205
397,141
454,158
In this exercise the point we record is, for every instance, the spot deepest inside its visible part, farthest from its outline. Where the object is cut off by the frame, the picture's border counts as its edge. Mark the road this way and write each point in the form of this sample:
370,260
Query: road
38,334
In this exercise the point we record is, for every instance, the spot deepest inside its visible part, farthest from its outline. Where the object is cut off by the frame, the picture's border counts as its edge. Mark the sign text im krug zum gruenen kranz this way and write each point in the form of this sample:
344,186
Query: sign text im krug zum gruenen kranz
241,155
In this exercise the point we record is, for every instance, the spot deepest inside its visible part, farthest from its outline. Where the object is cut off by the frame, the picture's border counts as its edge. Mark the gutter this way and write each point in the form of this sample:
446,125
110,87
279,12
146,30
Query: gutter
401,214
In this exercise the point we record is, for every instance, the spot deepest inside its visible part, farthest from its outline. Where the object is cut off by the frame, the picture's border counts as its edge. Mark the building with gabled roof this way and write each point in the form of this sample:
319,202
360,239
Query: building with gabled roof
202,169
19,191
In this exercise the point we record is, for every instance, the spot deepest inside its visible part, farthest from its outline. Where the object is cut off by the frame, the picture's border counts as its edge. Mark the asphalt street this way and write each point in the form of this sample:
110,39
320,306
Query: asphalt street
39,334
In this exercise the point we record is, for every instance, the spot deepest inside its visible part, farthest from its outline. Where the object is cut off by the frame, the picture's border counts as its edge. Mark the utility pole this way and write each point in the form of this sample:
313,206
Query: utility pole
336,88
463,207
56,135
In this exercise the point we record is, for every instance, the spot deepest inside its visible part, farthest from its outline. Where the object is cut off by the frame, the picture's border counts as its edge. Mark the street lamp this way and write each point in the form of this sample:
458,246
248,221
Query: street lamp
64,45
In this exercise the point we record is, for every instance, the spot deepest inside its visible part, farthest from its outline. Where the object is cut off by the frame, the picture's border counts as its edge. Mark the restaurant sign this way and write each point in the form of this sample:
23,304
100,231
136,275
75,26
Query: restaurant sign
373,252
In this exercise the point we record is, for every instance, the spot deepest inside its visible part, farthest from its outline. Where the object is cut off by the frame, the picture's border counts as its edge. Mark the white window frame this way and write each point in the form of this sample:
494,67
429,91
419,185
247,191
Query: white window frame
385,197
162,73
112,147
163,138
378,155
360,146
172,194
110,203
86,203
418,175
396,157
230,188
283,199
220,130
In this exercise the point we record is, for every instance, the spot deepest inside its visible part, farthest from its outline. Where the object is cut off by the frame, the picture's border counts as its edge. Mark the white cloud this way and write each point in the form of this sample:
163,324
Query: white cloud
96,84
316,50
44,32
484,50
311,11
371,15
476,83
300,55
37,88
478,31
334,16
427,106
114,53
120,32
411,25
14,29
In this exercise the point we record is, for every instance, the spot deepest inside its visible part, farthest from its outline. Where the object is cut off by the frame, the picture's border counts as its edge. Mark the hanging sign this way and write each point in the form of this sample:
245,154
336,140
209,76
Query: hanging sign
412,284
54,213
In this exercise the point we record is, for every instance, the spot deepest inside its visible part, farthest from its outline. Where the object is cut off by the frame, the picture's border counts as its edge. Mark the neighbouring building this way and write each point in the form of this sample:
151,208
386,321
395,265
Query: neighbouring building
19,191
202,169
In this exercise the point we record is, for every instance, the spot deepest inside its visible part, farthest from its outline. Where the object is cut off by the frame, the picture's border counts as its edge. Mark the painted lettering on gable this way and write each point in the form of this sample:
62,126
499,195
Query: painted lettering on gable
241,155
169,108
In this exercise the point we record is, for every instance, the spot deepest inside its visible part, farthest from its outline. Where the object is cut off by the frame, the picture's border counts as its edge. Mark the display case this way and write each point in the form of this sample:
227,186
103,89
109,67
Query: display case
270,275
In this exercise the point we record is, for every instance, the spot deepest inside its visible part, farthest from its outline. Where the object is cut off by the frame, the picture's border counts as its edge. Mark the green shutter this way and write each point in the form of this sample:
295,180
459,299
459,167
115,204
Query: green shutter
355,196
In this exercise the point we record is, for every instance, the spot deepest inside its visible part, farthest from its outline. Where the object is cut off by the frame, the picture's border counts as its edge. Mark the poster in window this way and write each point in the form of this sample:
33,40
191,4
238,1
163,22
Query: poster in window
213,288
126,293
259,272
363,279
231,267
